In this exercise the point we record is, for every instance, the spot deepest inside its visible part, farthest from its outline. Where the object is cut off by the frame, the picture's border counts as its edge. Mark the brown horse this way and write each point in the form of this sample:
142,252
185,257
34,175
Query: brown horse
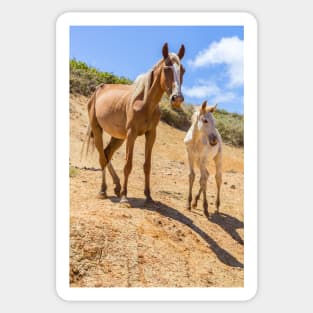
128,111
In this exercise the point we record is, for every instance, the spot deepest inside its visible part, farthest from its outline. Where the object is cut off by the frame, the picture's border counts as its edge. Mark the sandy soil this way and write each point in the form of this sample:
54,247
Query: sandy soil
160,245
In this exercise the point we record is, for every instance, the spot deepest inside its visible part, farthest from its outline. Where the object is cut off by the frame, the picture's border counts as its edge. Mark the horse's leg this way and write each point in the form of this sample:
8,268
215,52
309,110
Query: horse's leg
191,180
97,133
218,178
130,141
150,139
113,145
116,179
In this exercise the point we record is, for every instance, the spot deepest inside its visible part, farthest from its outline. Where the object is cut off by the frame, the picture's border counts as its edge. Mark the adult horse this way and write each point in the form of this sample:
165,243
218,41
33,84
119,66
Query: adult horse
128,111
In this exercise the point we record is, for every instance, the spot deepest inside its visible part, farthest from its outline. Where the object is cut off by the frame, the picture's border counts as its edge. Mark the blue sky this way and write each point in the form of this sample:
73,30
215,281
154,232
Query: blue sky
213,58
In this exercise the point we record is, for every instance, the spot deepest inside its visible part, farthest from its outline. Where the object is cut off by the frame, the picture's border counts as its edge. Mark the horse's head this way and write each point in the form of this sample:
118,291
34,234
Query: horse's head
206,123
172,75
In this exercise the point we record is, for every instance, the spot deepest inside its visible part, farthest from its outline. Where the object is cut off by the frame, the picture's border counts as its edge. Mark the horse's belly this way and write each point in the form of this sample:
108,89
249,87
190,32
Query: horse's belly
111,118
114,131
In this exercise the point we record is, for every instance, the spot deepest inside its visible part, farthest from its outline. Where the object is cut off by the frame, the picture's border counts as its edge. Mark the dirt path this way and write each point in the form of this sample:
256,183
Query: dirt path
161,245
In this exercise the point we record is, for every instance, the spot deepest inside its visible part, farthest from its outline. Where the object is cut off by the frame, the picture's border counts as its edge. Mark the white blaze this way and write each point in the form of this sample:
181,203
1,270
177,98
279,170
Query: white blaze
176,73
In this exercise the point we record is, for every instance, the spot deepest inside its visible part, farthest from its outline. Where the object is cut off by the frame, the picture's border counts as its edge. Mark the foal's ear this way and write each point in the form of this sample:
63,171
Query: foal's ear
212,108
203,106
181,52
165,51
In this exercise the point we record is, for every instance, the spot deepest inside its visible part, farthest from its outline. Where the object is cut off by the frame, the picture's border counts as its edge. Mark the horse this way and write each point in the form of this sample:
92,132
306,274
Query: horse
203,143
128,111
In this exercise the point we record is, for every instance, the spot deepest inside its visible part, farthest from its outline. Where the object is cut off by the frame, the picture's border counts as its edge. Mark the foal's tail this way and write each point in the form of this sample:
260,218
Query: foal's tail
89,137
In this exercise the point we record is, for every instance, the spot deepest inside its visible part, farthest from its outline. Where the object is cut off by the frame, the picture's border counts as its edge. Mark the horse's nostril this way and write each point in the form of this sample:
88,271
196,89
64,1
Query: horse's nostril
177,97
213,139
205,121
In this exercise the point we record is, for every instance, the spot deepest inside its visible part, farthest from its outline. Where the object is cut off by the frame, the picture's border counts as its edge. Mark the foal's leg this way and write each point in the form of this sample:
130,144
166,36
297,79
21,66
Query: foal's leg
197,197
113,145
150,139
218,178
203,183
191,181
131,137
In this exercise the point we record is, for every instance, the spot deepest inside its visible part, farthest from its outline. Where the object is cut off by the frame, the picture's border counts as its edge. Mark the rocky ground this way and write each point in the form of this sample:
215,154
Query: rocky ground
159,245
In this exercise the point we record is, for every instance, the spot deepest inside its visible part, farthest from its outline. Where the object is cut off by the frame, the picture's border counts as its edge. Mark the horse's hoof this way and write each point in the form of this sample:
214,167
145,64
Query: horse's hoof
102,195
150,201
206,213
217,212
124,202
194,205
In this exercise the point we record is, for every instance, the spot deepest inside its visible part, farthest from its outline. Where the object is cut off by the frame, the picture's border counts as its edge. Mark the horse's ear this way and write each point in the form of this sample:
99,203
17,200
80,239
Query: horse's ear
181,52
165,51
212,108
203,106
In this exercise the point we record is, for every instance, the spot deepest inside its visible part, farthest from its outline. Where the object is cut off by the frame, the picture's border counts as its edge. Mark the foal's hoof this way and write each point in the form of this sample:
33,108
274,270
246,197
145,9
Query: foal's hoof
194,205
102,195
188,207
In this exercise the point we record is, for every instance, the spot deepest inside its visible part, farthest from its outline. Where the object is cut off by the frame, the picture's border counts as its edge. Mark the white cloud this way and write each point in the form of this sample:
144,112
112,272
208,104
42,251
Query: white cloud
227,51
210,91
201,91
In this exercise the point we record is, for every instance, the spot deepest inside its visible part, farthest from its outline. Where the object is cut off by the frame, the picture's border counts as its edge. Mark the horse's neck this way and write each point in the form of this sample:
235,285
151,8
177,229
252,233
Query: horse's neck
154,95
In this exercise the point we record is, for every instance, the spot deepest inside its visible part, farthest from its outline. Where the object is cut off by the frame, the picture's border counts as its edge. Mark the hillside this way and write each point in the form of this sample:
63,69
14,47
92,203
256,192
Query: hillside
84,79
162,245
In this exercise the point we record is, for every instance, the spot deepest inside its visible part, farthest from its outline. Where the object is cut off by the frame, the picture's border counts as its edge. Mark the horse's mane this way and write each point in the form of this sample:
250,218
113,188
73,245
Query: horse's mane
143,82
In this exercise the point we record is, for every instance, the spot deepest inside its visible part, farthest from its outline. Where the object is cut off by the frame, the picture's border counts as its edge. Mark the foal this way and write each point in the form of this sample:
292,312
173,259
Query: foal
203,143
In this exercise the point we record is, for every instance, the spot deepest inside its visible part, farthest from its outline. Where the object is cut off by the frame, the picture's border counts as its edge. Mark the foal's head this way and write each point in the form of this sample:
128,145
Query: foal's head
206,122
172,75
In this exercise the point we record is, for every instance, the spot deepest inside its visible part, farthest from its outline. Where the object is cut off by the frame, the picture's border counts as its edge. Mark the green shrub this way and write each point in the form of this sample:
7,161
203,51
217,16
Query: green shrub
73,171
230,126
84,79
178,118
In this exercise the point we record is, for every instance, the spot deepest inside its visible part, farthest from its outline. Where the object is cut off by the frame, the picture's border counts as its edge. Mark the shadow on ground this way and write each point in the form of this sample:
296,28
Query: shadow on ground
227,222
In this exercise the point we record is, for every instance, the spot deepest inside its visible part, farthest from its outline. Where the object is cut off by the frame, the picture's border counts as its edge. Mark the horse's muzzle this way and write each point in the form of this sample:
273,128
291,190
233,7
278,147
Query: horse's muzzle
176,100
213,139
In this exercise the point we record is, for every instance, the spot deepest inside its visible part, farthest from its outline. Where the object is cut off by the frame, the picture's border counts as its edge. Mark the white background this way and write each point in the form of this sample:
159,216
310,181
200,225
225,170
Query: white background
250,150
27,178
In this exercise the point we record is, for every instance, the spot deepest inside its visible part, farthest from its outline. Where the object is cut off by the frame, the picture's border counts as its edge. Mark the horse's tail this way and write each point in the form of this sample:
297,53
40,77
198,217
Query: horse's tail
89,137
